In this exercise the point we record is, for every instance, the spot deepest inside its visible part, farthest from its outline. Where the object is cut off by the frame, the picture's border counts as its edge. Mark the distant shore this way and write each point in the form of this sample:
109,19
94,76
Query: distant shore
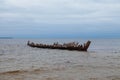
6,37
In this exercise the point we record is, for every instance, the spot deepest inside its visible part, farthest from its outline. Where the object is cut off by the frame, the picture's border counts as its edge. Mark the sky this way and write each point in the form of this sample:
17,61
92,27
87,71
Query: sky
60,18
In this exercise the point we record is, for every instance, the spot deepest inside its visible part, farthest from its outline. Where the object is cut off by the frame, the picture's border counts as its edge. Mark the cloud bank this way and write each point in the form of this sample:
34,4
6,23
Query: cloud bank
94,16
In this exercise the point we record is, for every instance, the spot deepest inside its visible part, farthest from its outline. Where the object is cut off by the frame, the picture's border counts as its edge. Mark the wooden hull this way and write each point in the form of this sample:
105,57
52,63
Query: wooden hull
78,48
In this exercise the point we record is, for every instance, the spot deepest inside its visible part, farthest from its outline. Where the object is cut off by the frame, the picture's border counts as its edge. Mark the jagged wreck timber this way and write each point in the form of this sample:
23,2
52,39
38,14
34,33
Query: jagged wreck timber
65,46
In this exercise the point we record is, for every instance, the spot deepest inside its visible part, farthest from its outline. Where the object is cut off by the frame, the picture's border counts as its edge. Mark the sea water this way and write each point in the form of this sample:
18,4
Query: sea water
102,53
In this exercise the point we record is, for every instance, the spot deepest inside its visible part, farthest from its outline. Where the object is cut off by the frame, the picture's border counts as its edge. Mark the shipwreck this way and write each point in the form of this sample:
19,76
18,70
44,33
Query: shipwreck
65,46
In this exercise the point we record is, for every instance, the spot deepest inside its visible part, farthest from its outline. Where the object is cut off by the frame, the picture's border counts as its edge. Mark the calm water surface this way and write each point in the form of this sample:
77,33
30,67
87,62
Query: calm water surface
16,55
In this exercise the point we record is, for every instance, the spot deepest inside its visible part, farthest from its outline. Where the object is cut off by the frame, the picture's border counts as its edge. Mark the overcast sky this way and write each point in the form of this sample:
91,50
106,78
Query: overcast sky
60,18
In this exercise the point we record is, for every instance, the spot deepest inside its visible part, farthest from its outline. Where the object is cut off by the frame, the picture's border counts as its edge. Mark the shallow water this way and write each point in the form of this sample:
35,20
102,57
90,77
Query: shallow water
21,62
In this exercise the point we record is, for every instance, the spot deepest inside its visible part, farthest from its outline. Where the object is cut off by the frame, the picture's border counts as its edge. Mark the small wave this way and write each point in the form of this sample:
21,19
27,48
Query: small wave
23,71
1,54
14,72
34,71
7,60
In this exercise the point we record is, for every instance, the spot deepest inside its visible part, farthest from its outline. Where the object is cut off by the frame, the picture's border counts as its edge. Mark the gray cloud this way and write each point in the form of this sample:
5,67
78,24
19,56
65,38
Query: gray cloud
95,13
